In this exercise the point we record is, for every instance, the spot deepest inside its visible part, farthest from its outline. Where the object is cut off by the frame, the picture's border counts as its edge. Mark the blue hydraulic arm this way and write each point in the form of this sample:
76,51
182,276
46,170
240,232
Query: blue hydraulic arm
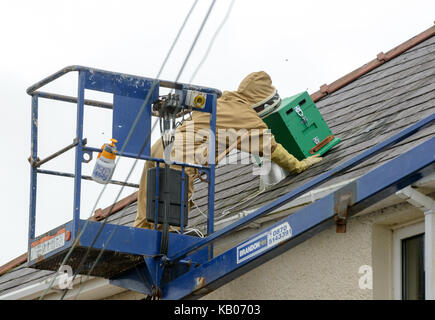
309,185
307,222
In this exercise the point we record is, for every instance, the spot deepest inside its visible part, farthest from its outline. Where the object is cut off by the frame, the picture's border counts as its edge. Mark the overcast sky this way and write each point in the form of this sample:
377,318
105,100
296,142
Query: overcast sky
301,44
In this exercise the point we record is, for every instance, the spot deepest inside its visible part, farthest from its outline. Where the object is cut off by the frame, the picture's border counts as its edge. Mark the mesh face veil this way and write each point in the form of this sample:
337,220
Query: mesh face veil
268,105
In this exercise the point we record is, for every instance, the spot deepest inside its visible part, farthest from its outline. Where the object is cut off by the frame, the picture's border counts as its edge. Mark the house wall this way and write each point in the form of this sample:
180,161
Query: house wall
353,265
382,261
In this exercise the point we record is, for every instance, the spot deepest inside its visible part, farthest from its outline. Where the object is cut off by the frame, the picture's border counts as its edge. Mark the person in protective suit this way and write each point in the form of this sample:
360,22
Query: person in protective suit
236,110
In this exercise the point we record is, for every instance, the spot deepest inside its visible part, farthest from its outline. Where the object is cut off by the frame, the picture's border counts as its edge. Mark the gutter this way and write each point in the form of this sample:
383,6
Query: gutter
35,290
93,289
27,293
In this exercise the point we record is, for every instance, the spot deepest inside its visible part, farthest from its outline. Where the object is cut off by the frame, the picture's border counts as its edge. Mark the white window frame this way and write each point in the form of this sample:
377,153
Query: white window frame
398,235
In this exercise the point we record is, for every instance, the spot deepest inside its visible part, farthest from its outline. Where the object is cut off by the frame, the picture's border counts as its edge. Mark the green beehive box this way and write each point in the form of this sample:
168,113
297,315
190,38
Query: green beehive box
300,128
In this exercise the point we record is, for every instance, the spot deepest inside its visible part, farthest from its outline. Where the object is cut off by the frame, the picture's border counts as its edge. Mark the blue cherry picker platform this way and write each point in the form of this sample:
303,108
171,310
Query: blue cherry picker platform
131,257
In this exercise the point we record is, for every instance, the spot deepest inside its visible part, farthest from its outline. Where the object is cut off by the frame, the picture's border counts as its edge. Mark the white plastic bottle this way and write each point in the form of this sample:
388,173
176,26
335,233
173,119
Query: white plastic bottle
105,164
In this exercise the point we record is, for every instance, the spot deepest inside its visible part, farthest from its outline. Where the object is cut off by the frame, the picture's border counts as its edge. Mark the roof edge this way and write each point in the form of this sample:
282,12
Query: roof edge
13,263
101,214
381,58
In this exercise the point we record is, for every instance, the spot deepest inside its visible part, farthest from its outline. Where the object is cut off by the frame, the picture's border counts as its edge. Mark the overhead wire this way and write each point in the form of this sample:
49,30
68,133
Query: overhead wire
179,74
210,45
188,56
120,218
212,41
121,152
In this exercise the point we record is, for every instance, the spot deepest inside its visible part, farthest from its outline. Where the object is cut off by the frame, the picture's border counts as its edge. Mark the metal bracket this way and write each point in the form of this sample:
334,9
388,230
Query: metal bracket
203,175
170,263
341,213
90,154
300,113
32,162
343,199
156,293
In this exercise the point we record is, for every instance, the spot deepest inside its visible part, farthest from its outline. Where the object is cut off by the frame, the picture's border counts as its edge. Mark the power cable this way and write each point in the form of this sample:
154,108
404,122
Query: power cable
185,62
131,170
122,150
212,41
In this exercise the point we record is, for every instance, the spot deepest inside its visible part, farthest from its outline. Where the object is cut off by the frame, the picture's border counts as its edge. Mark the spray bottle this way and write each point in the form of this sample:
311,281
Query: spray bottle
105,164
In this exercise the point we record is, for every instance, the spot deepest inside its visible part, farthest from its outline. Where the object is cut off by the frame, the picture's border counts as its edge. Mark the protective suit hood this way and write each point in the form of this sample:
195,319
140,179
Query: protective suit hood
256,88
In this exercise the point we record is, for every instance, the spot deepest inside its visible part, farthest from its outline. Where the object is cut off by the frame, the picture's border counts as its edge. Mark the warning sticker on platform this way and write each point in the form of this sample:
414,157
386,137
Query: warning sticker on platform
263,242
47,244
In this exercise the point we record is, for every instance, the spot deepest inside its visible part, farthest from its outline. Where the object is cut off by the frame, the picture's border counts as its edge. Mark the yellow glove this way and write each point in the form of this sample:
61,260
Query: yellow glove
288,162
312,160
